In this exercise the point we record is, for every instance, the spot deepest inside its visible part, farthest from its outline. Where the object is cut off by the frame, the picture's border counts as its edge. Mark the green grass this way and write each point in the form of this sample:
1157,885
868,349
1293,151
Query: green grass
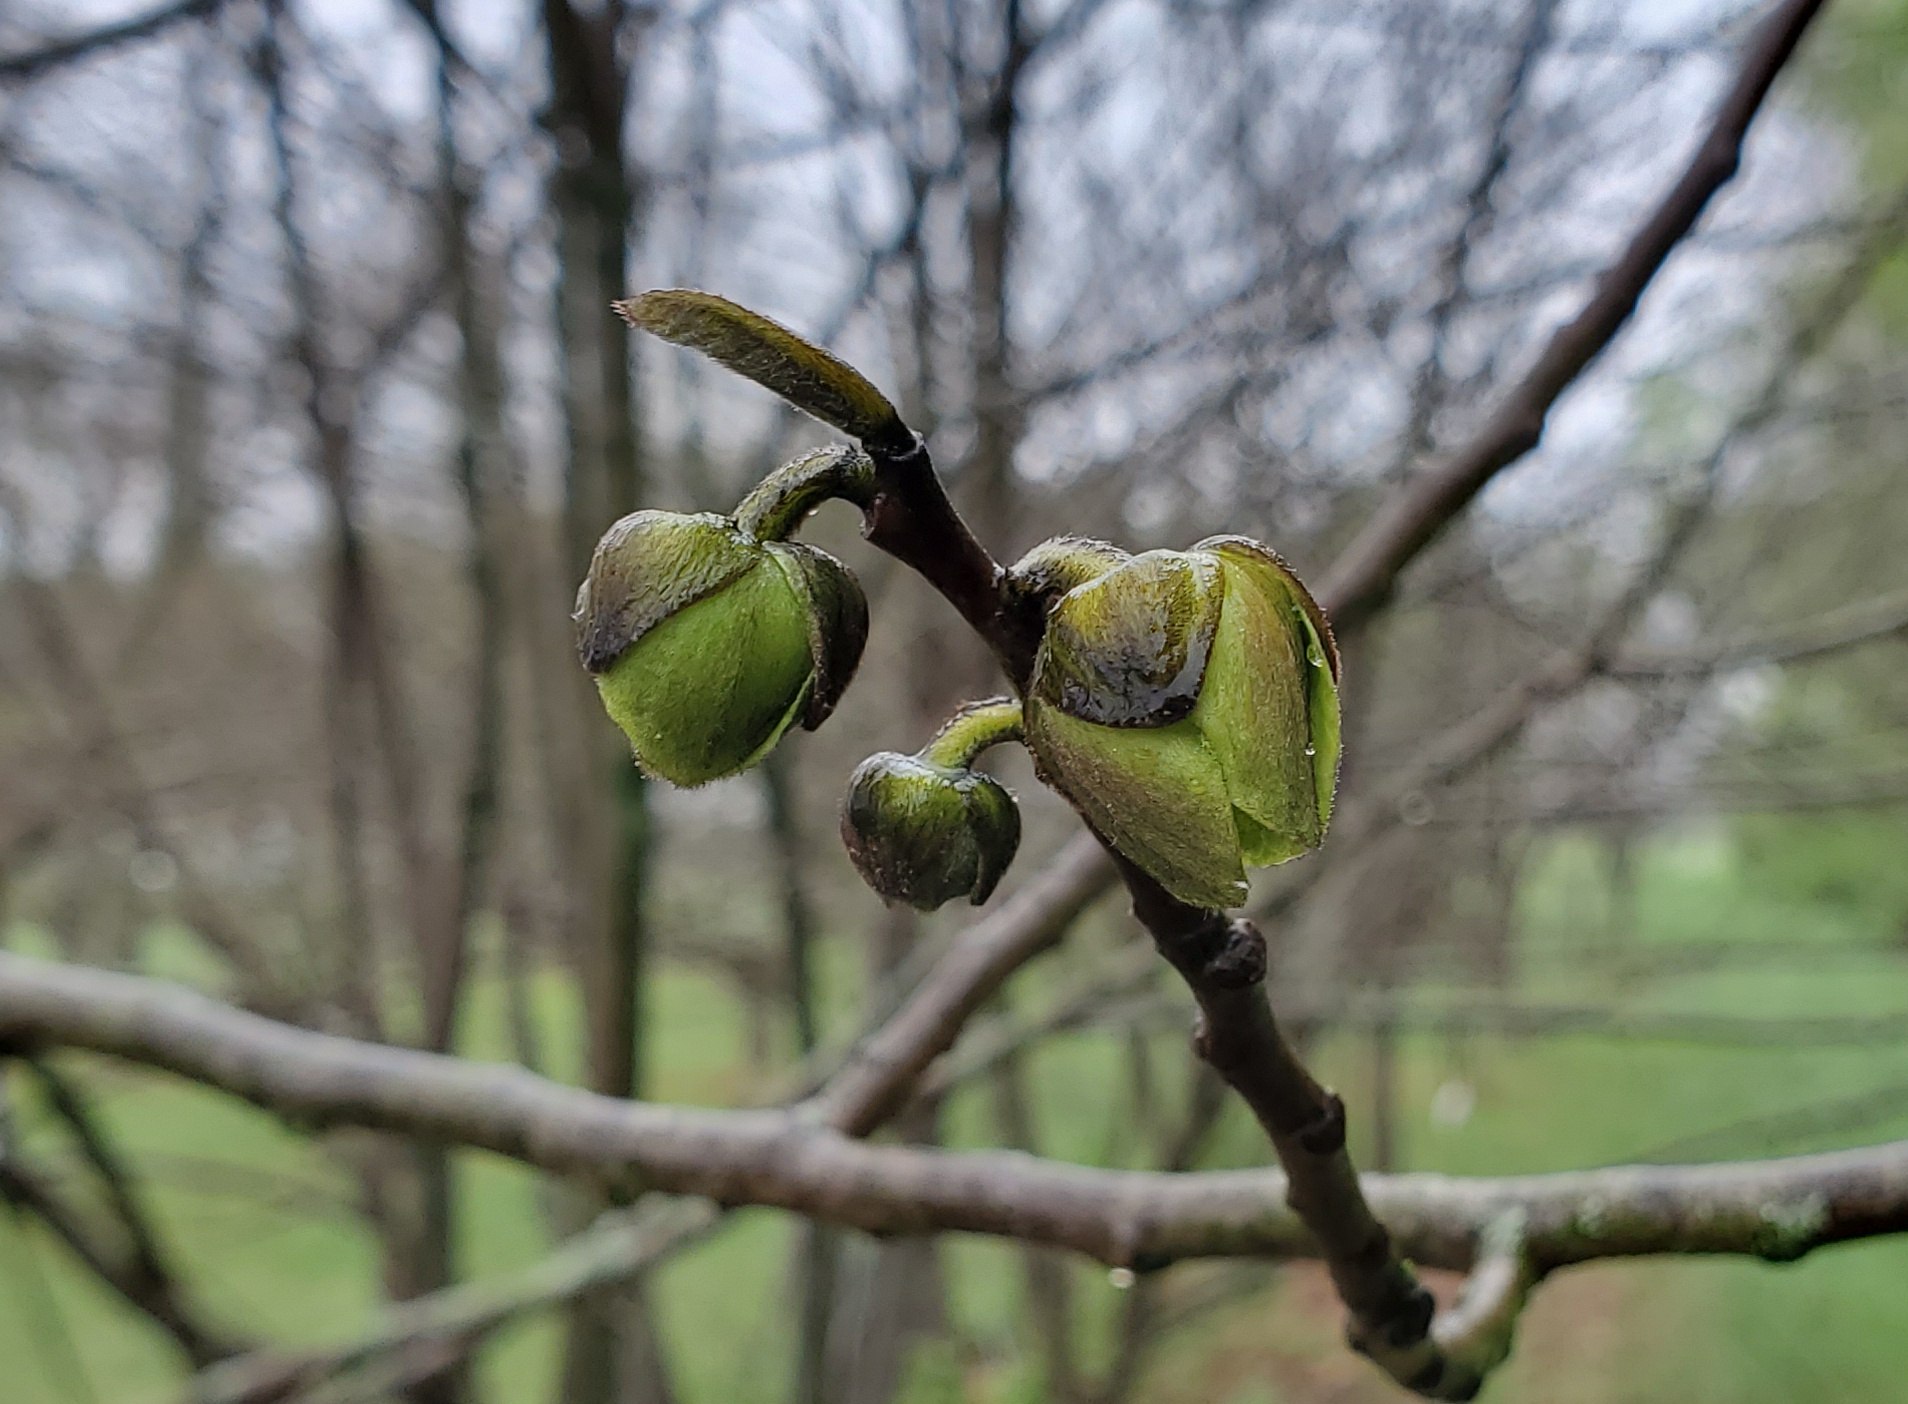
263,1225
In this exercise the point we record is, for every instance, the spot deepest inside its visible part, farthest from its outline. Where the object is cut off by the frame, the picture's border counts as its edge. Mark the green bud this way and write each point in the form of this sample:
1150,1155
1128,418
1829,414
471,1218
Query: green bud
707,644
1188,703
927,828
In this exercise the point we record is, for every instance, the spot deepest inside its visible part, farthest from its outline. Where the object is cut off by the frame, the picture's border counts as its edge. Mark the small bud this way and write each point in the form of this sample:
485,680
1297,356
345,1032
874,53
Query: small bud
928,828
925,834
708,644
1188,703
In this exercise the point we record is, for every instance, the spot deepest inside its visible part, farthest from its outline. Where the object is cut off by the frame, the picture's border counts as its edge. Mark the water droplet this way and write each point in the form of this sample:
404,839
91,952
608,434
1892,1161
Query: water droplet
1122,1278
1315,656
1311,750
1453,1104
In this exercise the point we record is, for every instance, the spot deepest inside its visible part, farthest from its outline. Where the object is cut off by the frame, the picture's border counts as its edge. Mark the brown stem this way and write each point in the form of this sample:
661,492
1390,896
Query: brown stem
1222,961
913,521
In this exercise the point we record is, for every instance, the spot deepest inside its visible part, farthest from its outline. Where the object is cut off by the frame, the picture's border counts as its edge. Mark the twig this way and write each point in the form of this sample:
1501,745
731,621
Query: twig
1368,1010
60,52
411,1339
1475,1333
24,1189
1838,1116
1371,1011
1092,1000
1830,633
49,1324
145,1279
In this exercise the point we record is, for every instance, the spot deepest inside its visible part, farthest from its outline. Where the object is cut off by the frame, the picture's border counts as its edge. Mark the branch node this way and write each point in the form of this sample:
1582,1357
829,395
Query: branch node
912,458
1326,1136
1202,1038
1412,1323
1240,962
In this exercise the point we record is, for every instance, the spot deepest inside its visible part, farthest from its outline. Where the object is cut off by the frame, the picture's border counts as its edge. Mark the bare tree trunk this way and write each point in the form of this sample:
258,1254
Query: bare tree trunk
614,1356
818,1258
1047,1287
1384,1095
798,919
1139,1325
991,219
818,1246
898,1301
1620,918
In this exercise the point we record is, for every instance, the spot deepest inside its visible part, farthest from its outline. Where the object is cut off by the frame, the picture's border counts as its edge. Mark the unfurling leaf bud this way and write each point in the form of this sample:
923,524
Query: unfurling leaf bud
809,378
927,828
1187,702
707,644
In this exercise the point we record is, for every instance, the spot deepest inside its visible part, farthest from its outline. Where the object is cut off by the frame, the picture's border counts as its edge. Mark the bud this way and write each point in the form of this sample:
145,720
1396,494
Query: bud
925,829
1187,702
707,644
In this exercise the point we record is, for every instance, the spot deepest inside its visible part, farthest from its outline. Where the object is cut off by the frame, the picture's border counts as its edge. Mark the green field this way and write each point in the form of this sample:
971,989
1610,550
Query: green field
264,1227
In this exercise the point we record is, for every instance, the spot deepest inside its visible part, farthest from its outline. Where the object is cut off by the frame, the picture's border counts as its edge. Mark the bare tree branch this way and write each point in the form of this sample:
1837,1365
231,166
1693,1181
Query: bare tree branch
1834,632
138,1275
34,62
1774,1209
1368,569
145,1278
410,1340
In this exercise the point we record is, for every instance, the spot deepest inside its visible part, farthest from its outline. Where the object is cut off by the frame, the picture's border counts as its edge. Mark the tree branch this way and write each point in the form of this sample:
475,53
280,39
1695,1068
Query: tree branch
410,1340
880,1072
145,1278
1774,1209
61,52
1834,632
154,1296
1364,575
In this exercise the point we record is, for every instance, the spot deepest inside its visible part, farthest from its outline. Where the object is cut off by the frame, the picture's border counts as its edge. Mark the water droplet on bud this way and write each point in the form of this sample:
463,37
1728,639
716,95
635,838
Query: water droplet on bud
1121,1278
1311,750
